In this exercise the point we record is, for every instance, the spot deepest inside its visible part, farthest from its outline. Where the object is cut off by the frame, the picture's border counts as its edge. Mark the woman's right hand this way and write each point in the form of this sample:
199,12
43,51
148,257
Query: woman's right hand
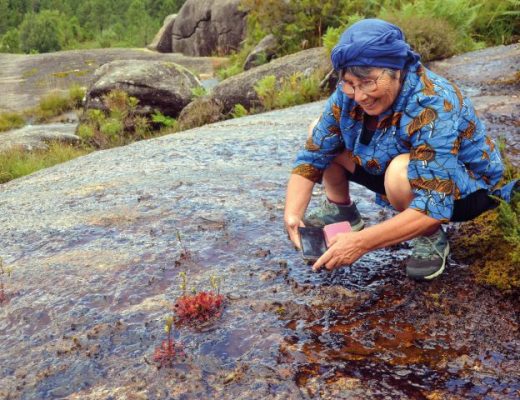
292,223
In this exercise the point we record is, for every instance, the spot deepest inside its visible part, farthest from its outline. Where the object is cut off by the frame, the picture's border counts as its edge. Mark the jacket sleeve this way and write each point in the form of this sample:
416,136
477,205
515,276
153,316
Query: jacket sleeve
324,144
433,165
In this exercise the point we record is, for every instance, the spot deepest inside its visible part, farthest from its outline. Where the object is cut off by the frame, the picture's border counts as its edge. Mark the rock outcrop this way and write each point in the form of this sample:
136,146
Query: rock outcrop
158,85
200,112
263,52
207,27
38,137
239,89
25,78
162,42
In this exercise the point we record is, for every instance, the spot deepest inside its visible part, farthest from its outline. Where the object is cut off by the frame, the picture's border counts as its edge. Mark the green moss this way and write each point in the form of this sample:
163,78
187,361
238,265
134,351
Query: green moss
29,73
490,244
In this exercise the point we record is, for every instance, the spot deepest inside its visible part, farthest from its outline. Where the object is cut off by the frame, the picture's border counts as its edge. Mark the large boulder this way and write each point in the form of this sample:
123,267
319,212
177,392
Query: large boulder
38,137
239,89
263,52
162,42
206,27
158,85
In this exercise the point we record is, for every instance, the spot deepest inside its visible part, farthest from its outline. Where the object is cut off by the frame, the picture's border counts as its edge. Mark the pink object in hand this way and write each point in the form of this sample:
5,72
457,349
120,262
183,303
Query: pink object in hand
332,230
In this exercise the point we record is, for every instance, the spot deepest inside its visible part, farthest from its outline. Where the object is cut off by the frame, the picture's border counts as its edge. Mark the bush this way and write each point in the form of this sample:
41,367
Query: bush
10,42
239,111
432,38
11,120
41,32
497,21
293,90
76,95
458,15
199,91
163,120
119,125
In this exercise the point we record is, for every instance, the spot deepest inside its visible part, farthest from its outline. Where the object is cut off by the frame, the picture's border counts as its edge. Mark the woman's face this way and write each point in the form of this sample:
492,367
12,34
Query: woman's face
379,97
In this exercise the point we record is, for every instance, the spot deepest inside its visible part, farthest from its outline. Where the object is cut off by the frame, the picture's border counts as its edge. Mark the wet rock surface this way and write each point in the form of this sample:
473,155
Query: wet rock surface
96,246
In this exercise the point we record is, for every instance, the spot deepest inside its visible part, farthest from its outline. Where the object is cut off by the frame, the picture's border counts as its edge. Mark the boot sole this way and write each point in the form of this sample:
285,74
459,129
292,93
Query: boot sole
359,226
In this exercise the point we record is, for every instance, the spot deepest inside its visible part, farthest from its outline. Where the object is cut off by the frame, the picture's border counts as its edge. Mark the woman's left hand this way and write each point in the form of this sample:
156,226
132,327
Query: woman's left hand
345,249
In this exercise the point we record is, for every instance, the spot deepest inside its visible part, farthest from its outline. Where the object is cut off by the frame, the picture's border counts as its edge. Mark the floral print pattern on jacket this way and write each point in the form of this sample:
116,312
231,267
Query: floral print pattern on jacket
450,154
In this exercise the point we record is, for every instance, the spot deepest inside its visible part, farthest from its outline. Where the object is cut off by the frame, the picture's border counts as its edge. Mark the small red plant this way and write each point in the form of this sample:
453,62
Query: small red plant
169,350
198,307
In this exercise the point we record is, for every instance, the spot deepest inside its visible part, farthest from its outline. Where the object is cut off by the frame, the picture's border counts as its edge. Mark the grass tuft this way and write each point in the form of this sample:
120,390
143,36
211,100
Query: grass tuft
11,120
16,162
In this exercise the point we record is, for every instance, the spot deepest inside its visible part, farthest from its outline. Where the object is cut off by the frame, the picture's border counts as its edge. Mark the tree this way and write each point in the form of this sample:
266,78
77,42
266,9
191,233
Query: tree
41,32
4,12
140,25
10,42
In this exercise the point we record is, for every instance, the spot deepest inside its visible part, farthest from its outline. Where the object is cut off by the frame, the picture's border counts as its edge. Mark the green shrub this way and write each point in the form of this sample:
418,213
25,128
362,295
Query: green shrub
76,95
239,111
142,128
112,128
163,120
118,125
265,88
299,24
10,42
41,32
290,91
85,132
431,37
118,101
16,163
11,120
332,34
457,14
497,21
199,91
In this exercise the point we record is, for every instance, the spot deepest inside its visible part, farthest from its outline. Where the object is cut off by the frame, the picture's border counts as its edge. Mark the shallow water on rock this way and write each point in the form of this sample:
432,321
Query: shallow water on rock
95,251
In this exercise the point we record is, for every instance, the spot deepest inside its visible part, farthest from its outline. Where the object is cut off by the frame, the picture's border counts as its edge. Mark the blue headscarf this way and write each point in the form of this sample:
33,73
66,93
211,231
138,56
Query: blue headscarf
373,43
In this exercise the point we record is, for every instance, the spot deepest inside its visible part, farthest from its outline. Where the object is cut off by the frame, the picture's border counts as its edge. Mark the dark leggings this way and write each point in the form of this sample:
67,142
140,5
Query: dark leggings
464,209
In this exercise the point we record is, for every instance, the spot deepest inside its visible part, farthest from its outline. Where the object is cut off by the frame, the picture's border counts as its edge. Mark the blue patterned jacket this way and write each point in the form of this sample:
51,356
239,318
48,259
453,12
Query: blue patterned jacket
450,154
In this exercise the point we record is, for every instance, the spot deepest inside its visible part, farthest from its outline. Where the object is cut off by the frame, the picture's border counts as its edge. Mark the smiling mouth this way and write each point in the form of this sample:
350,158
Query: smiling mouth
369,105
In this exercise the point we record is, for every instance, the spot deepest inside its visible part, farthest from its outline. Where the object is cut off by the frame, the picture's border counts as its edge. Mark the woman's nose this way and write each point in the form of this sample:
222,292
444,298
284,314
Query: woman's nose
359,96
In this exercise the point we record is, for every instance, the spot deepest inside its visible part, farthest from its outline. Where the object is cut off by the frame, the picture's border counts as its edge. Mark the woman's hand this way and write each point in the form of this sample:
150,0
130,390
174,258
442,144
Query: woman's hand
345,249
292,223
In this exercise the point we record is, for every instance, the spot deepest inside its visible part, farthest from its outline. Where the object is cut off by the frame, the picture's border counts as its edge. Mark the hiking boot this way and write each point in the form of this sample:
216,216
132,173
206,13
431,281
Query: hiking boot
428,257
330,213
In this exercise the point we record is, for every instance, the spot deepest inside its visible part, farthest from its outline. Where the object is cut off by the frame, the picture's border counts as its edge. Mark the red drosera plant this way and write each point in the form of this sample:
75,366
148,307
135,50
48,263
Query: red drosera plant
169,351
200,306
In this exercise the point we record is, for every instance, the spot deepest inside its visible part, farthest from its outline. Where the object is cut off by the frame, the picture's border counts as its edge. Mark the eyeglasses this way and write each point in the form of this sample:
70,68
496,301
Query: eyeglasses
367,86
